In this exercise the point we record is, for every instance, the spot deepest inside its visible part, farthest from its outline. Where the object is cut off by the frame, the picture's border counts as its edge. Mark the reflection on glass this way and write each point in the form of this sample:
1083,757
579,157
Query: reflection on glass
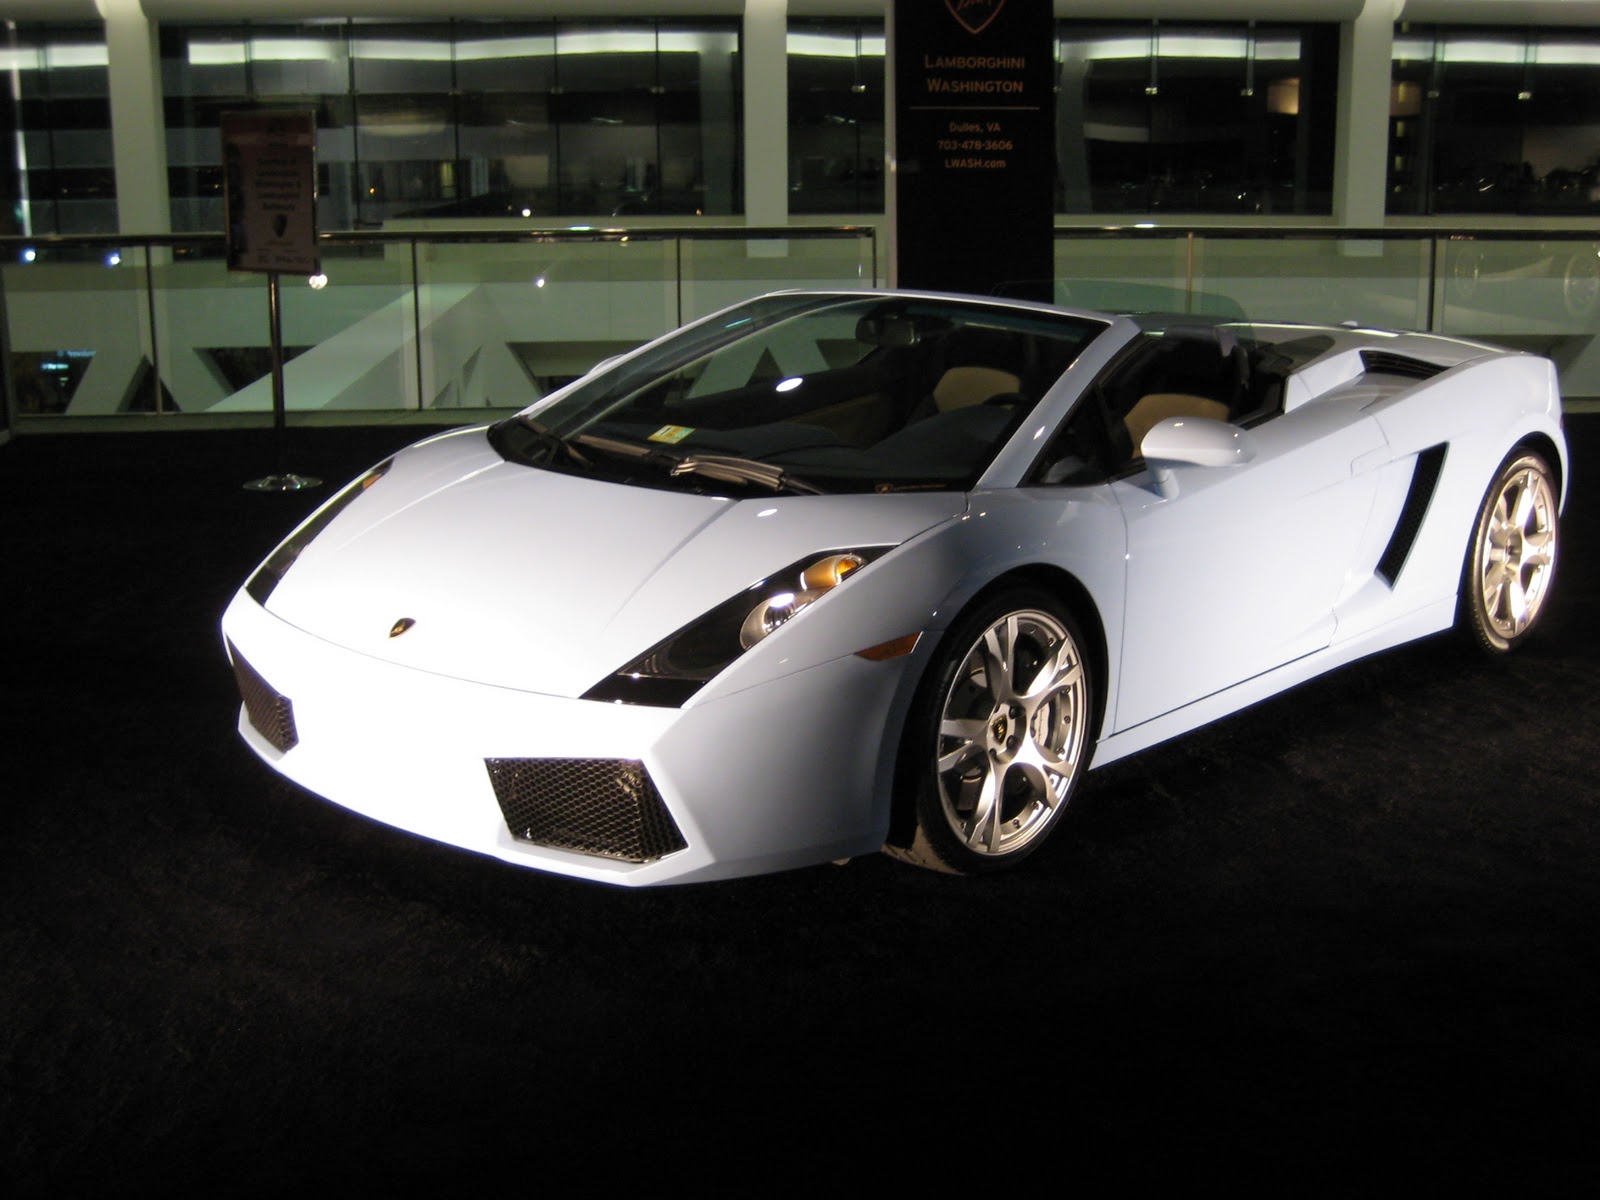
1486,120
470,117
58,177
207,70
1164,116
836,108
1509,290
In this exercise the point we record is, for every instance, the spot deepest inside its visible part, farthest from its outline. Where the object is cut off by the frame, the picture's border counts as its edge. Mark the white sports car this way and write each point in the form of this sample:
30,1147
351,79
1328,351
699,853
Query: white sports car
828,573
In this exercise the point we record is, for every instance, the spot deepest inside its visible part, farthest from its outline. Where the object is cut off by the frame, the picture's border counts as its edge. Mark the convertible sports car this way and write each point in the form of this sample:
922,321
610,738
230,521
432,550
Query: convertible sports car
826,573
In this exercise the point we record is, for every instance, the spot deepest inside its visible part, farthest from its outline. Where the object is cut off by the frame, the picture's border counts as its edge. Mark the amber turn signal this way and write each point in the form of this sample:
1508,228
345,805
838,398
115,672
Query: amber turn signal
829,572
895,648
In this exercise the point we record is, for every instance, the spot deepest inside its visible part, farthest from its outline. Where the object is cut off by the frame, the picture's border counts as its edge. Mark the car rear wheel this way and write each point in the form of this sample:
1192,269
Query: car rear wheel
998,738
1512,559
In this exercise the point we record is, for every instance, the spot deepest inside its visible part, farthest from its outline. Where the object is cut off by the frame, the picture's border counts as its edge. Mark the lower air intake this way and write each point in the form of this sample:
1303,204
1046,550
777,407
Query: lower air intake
601,806
270,713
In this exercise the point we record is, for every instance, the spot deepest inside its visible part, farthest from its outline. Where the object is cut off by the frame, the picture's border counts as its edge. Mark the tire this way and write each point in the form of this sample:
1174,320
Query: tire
998,737
1511,560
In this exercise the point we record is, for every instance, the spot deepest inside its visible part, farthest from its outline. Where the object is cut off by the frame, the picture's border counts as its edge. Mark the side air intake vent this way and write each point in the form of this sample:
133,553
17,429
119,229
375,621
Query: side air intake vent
1423,481
268,711
601,806
1379,362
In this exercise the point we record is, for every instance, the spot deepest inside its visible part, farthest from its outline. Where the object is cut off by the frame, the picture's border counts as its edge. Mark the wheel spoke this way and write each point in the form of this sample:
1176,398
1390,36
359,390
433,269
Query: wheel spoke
1516,602
1538,550
1060,670
999,646
1493,586
1502,512
1522,506
983,828
955,758
969,736
1045,769
967,729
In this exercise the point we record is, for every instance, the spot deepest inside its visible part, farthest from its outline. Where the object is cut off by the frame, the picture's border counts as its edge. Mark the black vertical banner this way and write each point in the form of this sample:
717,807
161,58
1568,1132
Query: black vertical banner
974,148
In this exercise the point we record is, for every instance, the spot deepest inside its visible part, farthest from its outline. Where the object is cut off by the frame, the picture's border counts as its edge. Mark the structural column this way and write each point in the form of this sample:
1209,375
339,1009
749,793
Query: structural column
138,125
1361,148
766,112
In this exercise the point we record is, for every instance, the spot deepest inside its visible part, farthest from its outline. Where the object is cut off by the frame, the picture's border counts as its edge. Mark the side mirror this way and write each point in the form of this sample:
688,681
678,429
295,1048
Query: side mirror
1193,442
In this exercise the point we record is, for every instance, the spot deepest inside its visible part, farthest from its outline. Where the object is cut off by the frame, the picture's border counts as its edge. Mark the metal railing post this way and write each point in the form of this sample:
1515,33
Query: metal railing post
8,384
155,333
416,320
1188,274
1433,282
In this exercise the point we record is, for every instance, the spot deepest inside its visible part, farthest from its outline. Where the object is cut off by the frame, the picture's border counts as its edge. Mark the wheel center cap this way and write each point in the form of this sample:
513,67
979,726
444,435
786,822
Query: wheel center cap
999,727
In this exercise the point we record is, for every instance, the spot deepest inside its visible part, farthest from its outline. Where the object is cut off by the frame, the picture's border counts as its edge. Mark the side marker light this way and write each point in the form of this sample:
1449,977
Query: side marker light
896,648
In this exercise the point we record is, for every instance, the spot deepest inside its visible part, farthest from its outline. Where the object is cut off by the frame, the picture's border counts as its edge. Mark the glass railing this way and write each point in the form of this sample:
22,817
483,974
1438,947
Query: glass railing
413,322
1530,290
429,322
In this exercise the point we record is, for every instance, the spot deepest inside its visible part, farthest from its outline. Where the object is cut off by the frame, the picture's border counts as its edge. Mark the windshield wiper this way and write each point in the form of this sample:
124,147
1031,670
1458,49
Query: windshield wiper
729,468
725,468
554,444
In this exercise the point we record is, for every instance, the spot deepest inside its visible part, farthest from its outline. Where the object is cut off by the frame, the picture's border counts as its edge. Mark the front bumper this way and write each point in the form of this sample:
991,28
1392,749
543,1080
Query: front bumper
784,774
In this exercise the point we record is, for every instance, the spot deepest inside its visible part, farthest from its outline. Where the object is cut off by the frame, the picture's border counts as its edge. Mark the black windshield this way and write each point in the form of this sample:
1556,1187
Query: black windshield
842,392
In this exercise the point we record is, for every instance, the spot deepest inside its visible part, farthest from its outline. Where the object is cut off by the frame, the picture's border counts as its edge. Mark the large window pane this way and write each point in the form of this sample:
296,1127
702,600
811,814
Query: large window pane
405,152
698,109
469,117
836,107
208,70
59,176
1494,120
1189,117
505,74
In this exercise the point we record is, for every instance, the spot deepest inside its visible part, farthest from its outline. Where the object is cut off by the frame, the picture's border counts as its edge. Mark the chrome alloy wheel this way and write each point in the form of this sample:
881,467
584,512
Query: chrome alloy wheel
1516,549
1011,733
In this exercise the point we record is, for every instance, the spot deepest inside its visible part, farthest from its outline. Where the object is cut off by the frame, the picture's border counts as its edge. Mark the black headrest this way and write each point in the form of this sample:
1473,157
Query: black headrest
1219,341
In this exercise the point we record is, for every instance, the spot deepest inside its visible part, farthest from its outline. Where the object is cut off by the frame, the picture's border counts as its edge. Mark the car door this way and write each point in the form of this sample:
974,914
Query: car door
1234,570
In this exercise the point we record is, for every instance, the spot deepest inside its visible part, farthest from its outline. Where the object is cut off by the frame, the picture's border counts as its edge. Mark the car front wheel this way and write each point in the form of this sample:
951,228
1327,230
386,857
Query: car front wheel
1512,558
998,738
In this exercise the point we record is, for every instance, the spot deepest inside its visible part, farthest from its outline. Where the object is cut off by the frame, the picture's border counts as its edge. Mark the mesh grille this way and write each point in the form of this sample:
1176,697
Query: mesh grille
270,713
603,806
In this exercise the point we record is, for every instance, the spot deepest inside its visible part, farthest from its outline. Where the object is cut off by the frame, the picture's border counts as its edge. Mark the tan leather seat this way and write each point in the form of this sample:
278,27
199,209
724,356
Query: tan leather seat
962,387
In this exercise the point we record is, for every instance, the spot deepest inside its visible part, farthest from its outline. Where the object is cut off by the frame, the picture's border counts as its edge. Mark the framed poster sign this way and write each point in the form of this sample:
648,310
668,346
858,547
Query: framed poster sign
270,178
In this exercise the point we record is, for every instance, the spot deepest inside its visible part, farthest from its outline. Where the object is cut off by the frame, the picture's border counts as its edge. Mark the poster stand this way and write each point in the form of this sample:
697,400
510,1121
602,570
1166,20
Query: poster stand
270,163
281,480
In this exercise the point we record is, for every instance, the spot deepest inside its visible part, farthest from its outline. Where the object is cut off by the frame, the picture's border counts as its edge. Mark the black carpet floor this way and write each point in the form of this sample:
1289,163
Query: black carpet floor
1346,938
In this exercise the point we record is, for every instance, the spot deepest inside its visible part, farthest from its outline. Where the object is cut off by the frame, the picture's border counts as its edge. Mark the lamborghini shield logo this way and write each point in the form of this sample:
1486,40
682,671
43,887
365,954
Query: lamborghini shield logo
975,15
400,626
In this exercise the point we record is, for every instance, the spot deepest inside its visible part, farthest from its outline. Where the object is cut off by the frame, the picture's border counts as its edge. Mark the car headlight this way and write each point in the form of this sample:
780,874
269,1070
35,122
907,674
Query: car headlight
674,669
270,573
816,581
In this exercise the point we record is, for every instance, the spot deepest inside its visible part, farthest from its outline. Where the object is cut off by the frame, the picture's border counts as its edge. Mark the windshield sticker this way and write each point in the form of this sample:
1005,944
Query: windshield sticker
671,433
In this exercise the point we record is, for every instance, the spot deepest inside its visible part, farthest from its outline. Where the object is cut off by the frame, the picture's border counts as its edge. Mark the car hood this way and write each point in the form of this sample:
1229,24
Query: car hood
530,579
